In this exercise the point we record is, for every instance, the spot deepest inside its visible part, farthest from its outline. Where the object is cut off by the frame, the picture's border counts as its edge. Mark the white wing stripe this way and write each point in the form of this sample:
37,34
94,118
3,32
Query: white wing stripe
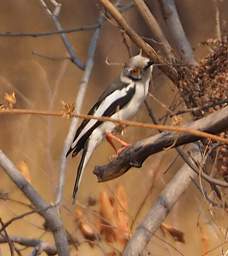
115,95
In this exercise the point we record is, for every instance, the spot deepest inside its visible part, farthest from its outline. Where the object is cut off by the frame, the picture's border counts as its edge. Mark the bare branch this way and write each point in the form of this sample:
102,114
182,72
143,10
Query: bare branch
204,107
18,217
69,47
176,129
217,20
154,27
178,34
78,106
28,242
49,33
148,50
161,208
9,241
135,155
49,214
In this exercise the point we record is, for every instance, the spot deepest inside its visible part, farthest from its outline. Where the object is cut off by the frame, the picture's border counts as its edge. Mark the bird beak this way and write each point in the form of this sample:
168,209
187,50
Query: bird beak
149,63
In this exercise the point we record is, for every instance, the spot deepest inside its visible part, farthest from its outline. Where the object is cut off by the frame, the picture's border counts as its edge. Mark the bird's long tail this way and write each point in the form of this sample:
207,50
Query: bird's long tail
86,154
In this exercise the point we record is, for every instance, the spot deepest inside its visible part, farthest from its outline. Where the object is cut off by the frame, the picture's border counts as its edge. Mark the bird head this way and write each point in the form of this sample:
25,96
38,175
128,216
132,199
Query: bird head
138,68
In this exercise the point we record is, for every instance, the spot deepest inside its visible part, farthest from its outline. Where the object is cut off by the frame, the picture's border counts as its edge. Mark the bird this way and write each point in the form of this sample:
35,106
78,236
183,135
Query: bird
121,100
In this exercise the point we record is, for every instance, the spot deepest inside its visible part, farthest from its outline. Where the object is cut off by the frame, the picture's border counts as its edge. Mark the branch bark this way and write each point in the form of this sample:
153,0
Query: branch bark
78,106
154,28
48,212
135,155
69,47
147,49
161,208
177,32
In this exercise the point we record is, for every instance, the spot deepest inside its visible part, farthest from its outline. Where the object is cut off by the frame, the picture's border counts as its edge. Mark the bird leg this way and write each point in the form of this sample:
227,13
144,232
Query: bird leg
110,137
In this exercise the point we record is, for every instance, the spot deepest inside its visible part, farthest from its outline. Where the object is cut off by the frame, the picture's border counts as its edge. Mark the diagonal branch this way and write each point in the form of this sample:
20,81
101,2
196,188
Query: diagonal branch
78,105
177,32
135,155
154,27
48,212
69,47
147,49
161,208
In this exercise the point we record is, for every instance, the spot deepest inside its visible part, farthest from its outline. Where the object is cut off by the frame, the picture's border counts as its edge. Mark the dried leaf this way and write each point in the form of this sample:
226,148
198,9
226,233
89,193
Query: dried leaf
111,254
68,109
177,235
10,99
176,120
109,220
115,226
87,231
24,169
91,201
121,215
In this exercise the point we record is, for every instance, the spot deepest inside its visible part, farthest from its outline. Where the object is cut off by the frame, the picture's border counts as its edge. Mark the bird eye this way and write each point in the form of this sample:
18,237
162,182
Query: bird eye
135,74
135,71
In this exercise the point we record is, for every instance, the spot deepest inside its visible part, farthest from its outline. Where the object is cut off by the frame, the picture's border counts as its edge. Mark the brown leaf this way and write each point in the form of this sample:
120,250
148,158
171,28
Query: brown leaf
176,120
10,99
108,221
115,226
87,231
121,215
24,169
111,254
68,109
177,235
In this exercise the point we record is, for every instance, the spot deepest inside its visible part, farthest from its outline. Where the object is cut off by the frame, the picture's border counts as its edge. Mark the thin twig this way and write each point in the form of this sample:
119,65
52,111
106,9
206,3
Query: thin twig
9,241
18,217
69,47
50,57
208,178
29,242
196,109
48,33
222,119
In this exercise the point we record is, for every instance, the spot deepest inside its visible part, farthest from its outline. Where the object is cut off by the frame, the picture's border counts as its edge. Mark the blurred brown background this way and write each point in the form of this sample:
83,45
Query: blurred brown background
40,83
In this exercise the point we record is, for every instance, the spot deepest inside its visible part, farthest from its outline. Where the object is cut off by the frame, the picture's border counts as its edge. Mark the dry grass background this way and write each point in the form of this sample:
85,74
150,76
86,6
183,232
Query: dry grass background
42,84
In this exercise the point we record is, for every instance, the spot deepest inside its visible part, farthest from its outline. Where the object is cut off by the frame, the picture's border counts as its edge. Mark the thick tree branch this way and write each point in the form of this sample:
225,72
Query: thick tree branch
147,49
154,27
177,32
135,155
49,213
161,208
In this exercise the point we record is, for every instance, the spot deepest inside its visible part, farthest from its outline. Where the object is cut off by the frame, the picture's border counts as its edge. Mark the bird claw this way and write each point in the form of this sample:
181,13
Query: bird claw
120,150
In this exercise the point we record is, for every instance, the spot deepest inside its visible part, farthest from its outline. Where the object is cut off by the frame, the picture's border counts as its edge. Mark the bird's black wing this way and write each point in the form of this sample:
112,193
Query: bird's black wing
118,104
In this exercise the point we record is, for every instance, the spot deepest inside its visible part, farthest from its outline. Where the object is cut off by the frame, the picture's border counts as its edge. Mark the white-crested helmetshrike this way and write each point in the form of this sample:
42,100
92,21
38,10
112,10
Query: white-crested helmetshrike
121,100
